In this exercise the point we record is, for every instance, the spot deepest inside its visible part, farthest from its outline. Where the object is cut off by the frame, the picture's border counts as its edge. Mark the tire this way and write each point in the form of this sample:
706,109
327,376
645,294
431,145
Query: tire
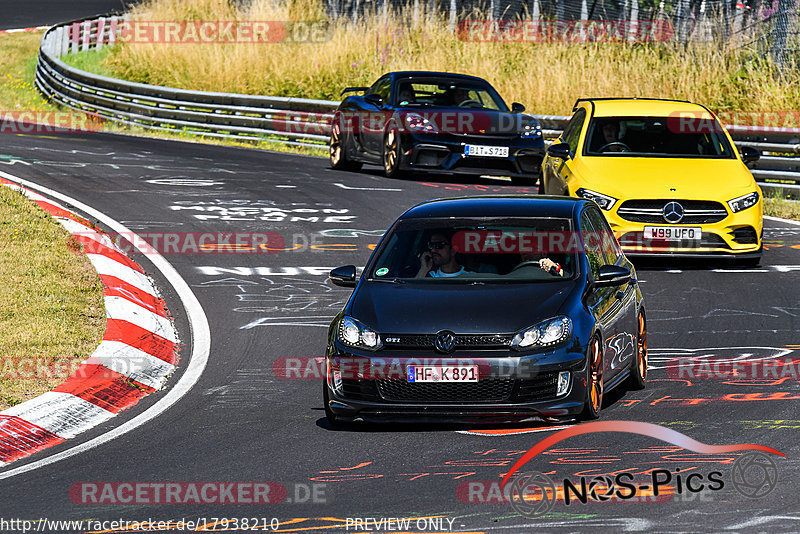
337,148
329,415
639,362
392,154
594,381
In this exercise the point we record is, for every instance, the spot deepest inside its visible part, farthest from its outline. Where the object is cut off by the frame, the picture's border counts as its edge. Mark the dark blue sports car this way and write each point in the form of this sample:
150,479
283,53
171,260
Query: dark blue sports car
435,121
489,308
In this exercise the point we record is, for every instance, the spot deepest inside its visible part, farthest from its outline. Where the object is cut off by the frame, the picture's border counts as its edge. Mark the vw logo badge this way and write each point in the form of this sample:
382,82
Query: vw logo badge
673,212
445,342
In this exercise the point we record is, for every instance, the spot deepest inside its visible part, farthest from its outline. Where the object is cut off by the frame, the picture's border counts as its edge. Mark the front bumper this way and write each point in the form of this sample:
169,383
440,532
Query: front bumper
445,153
374,387
737,235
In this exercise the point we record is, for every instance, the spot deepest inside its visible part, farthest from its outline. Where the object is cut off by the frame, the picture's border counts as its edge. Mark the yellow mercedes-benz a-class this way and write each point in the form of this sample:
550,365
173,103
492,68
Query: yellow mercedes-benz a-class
666,174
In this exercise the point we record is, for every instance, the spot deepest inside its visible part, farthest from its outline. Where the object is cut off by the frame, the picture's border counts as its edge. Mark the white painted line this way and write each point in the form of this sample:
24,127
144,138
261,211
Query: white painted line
133,363
105,265
63,414
198,326
124,309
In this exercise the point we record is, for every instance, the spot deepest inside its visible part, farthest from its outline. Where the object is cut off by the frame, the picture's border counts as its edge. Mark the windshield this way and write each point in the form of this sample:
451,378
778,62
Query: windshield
448,93
655,136
489,250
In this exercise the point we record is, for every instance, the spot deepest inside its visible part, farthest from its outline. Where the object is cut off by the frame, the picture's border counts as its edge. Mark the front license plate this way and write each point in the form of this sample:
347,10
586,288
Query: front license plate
674,233
439,373
486,151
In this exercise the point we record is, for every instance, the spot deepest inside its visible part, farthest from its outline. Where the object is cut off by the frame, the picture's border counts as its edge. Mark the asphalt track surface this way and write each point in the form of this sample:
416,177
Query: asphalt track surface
17,14
242,423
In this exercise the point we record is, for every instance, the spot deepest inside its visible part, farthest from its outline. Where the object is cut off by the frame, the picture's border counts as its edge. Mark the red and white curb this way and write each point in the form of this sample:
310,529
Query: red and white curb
135,358
18,30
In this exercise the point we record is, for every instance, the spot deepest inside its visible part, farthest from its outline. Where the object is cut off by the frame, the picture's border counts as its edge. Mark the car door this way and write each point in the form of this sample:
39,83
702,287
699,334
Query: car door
371,137
601,301
558,171
622,347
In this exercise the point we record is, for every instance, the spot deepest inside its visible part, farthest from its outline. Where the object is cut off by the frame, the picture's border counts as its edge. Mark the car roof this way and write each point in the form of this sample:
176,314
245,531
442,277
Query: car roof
498,206
645,107
432,74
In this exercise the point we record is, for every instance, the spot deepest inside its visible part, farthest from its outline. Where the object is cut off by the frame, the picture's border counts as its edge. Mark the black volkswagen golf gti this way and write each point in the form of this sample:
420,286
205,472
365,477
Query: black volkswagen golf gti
489,309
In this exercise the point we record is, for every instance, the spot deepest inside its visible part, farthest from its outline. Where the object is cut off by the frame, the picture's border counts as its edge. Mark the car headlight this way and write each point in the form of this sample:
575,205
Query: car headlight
604,201
417,123
743,202
355,334
531,129
545,334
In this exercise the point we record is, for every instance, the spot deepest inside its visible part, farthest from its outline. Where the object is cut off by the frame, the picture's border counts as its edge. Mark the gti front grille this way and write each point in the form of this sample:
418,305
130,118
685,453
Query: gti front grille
463,341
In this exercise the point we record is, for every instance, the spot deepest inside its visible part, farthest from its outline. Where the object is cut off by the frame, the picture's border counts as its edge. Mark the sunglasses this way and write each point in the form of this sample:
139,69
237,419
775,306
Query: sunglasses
437,245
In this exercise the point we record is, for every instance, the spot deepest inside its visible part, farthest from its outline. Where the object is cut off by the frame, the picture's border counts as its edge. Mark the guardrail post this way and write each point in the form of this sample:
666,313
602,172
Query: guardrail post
101,28
87,28
75,35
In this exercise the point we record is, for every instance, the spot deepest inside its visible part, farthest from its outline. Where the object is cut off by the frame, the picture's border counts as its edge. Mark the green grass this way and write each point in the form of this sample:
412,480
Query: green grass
51,303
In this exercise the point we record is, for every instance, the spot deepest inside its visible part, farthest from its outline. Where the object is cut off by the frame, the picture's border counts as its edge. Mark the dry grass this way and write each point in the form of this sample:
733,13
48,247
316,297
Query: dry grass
781,207
546,77
51,304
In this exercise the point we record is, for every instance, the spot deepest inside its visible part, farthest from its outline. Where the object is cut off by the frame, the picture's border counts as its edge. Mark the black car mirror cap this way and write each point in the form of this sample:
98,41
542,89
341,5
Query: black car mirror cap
516,107
612,275
344,276
559,150
374,98
749,154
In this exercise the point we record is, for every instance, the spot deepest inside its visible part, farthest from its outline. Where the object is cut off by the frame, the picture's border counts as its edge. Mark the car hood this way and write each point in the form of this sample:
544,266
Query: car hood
427,307
629,177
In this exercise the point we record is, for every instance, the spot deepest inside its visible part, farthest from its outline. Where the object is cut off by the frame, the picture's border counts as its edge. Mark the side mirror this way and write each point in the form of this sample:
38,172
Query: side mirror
749,154
516,107
612,275
374,99
559,150
344,276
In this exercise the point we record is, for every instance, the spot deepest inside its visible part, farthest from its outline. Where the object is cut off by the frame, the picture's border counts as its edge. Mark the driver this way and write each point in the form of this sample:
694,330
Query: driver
407,95
611,137
439,260
460,95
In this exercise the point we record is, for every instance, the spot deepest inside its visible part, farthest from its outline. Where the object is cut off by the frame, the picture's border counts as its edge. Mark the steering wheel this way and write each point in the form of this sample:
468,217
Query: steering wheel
470,103
617,143
528,263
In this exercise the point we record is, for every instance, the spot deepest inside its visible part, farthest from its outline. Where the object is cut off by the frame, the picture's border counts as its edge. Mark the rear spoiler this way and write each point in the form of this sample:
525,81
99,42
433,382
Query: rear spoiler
352,89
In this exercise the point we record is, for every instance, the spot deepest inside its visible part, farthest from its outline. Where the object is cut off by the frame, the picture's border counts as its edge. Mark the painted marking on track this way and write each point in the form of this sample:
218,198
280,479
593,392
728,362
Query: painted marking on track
337,184
198,326
510,431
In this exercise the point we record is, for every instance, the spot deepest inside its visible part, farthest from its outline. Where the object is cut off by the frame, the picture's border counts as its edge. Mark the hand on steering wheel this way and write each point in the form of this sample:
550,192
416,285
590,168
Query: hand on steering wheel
625,148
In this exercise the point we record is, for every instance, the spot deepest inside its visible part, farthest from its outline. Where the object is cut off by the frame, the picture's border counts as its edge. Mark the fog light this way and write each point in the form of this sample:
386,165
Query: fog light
563,383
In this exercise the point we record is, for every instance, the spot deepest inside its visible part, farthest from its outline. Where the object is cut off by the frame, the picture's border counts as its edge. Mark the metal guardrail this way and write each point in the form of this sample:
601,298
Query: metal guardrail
292,121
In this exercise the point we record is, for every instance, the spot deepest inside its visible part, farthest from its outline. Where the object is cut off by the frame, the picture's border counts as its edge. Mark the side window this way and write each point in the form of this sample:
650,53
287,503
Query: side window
591,244
573,130
381,88
606,240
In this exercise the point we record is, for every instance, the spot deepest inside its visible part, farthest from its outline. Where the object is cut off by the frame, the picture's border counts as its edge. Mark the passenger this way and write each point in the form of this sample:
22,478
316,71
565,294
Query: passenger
407,95
439,260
